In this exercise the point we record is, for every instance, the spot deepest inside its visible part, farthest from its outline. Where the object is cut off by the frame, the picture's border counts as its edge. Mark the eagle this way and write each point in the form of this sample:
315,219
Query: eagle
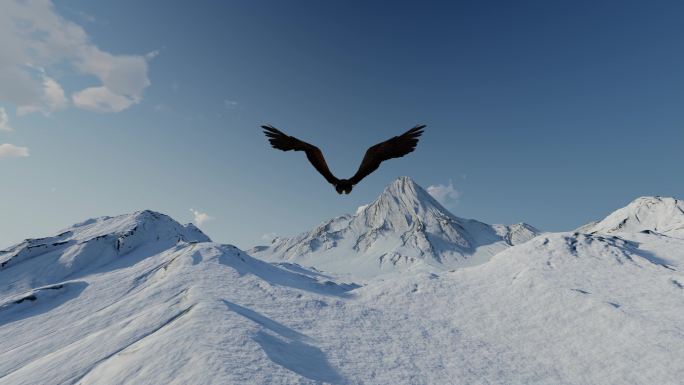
395,147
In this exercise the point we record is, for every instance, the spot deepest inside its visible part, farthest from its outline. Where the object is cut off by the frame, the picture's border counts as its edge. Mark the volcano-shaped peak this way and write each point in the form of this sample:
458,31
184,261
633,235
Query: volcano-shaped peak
404,189
405,200
402,186
405,227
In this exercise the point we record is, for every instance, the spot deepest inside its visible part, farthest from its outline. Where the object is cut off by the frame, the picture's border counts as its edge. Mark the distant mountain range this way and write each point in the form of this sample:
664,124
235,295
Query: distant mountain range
403,229
142,299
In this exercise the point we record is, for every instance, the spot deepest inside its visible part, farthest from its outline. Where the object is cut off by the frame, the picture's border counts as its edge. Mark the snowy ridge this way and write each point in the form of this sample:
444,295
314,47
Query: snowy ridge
403,229
645,214
517,233
93,243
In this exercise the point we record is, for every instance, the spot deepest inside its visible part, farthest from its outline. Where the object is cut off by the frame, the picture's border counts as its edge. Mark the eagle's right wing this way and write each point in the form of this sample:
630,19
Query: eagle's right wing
281,141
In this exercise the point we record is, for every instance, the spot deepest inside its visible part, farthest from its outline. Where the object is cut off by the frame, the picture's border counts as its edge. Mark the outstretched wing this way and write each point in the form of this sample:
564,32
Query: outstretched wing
392,148
283,142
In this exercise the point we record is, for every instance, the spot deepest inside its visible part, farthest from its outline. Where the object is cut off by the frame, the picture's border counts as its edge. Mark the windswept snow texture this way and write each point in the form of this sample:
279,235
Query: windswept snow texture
175,308
404,229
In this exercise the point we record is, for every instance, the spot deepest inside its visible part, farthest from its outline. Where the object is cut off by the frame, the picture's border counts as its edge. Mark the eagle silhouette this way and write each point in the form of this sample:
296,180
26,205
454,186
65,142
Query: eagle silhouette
396,147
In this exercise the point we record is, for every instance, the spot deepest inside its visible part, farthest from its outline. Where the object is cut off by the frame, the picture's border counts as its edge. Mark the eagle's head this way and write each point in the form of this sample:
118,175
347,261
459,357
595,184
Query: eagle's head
343,187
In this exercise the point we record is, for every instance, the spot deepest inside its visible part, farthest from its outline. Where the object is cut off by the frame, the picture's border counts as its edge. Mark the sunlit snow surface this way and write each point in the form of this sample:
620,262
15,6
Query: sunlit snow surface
140,299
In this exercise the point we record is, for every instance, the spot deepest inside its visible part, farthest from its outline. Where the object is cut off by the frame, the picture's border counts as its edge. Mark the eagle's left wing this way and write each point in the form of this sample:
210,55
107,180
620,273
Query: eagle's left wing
396,147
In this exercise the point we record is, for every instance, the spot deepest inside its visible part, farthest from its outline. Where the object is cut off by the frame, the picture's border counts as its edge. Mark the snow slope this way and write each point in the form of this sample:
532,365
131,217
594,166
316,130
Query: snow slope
560,309
135,299
403,229
175,308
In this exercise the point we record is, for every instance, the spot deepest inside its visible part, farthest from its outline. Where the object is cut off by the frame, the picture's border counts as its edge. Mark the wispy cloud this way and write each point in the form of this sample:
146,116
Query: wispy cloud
160,107
11,151
200,217
101,99
80,14
4,121
231,104
269,237
87,17
447,195
52,98
36,43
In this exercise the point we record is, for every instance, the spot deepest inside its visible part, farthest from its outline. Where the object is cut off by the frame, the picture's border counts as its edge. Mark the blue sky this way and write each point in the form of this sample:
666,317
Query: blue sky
552,113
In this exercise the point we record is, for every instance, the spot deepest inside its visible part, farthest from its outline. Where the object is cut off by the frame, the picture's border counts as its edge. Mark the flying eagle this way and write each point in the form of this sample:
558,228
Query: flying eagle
396,147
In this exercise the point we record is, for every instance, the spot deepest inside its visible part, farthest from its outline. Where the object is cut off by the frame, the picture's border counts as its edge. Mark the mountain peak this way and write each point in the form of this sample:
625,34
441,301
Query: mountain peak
664,215
651,201
404,186
405,227
106,238
126,223
406,196
401,181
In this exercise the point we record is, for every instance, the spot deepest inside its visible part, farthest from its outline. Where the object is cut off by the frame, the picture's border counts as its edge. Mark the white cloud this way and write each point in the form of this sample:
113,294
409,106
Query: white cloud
37,44
447,195
4,121
86,16
230,104
200,217
152,54
269,237
160,107
11,151
101,99
52,98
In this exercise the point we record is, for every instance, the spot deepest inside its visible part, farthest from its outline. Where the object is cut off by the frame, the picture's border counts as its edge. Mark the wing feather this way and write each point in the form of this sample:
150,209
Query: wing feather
396,147
282,141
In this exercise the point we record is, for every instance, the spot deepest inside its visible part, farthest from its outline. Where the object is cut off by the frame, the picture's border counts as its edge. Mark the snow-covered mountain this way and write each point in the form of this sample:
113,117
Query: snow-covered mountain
141,299
646,214
403,229
93,243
